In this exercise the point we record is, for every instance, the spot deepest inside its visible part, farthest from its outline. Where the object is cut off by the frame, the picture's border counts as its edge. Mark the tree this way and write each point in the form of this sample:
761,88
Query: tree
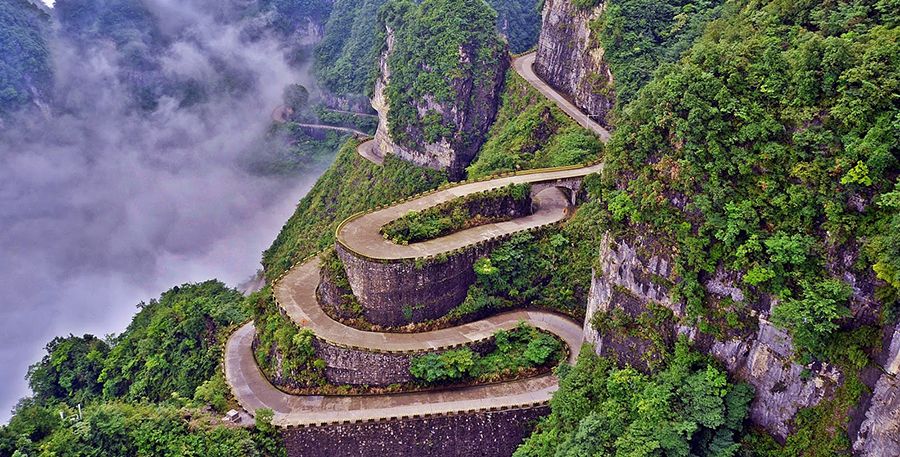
813,318
70,370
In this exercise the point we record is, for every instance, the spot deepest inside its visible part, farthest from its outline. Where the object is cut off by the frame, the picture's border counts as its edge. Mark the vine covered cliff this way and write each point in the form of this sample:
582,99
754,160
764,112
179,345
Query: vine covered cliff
441,72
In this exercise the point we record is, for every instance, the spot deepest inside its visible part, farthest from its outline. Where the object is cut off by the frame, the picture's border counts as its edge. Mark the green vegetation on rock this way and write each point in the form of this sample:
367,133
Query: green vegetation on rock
351,185
457,214
520,21
754,143
346,57
770,149
522,348
25,69
689,408
445,53
640,35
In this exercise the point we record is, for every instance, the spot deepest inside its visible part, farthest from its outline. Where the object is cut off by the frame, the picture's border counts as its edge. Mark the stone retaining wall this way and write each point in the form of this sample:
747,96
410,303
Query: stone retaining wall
358,367
395,293
401,292
488,434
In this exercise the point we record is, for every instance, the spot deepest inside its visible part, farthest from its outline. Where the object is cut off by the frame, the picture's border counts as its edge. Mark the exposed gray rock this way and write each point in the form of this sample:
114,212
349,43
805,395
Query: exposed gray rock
628,281
570,58
879,434
782,385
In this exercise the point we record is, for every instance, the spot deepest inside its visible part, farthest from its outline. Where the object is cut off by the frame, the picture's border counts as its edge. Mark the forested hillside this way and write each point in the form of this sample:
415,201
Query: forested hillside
147,391
25,68
640,35
770,150
774,152
519,21
345,59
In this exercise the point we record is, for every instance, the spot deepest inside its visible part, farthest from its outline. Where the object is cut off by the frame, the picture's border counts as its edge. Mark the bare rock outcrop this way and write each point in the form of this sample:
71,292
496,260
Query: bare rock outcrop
570,57
879,434
632,275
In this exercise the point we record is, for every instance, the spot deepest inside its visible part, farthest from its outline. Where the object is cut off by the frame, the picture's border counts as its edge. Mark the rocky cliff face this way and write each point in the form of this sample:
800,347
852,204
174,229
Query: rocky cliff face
879,434
635,275
570,57
463,120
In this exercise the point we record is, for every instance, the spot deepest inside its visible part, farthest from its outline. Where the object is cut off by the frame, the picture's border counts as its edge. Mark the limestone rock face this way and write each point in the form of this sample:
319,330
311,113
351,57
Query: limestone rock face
879,434
570,57
631,276
470,114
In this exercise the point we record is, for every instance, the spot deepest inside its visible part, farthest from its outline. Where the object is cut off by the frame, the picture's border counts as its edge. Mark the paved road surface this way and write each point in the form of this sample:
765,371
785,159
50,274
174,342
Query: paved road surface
523,65
369,151
362,234
254,392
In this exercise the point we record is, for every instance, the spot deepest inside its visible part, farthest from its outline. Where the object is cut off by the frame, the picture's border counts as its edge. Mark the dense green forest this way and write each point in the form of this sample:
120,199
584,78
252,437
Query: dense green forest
431,36
637,36
347,56
147,391
519,21
687,408
25,67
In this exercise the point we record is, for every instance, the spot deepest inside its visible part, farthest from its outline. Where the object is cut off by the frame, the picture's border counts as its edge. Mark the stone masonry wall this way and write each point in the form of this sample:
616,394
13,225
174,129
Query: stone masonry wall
360,367
570,58
340,301
486,434
401,292
761,356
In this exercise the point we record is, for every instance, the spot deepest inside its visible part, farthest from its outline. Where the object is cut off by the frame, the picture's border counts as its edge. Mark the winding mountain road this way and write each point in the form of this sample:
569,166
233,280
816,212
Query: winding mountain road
295,293
335,128
524,66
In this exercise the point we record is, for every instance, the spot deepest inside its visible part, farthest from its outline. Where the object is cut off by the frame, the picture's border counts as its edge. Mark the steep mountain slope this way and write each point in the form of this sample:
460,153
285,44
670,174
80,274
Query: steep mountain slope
750,204
441,73
25,69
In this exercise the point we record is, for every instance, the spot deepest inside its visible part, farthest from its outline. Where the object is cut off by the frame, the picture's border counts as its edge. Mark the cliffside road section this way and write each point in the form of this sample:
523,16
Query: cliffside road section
335,128
523,65
296,294
362,235
369,151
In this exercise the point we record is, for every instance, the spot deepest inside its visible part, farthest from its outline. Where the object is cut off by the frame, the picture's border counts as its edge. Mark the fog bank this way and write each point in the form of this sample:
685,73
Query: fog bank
103,206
